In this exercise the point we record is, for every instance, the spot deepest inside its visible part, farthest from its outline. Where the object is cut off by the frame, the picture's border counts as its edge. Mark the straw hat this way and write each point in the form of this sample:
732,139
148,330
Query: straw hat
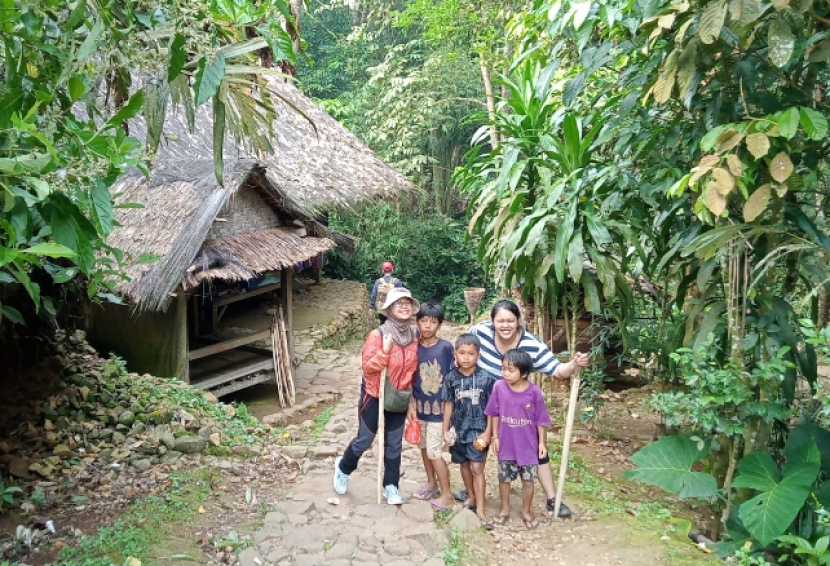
394,295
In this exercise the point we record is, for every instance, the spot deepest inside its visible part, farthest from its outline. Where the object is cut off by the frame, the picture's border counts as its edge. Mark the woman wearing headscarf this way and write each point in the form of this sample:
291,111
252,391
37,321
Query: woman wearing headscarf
394,346
504,332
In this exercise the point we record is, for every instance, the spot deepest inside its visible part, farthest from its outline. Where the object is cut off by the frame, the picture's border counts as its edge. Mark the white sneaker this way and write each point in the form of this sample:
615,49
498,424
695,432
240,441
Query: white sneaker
341,480
392,495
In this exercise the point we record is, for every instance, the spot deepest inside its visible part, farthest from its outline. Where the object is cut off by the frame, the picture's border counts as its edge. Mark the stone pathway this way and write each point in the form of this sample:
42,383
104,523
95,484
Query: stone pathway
316,526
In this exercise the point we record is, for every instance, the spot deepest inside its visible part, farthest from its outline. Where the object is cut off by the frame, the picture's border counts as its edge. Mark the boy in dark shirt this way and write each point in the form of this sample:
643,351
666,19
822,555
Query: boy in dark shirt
435,357
466,392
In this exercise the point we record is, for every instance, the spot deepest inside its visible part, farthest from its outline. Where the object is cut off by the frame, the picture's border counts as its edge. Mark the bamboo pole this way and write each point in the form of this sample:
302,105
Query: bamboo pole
289,375
566,440
381,444
275,351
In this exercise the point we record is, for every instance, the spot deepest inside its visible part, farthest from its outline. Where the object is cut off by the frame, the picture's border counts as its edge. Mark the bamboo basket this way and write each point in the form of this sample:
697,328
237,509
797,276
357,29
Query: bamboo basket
473,297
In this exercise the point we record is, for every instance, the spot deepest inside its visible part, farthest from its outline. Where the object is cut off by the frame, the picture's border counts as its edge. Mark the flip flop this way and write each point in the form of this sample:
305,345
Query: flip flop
472,508
486,524
530,523
437,506
424,494
500,520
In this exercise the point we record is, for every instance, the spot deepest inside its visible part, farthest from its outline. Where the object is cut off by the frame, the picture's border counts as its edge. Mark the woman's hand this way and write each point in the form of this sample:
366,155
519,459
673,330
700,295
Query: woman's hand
387,344
582,359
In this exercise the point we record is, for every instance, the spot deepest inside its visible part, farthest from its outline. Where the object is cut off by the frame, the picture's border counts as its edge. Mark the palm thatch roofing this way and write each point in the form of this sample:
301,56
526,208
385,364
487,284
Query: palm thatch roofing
316,164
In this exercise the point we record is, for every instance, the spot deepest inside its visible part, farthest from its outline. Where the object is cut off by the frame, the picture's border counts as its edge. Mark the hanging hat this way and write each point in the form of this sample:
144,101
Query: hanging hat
387,266
394,295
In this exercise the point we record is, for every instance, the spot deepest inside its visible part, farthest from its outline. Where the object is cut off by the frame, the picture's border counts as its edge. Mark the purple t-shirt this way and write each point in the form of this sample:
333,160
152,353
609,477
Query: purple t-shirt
519,414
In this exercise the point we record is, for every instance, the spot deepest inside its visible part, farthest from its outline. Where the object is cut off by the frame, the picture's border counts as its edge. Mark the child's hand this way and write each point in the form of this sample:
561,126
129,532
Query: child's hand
543,450
495,446
387,344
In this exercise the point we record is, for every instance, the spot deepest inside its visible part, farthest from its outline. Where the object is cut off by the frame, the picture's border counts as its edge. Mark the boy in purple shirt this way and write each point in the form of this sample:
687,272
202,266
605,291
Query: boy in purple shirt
518,418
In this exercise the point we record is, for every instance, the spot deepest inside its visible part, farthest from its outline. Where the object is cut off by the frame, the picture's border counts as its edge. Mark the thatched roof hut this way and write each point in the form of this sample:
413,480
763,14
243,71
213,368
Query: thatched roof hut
264,217
316,164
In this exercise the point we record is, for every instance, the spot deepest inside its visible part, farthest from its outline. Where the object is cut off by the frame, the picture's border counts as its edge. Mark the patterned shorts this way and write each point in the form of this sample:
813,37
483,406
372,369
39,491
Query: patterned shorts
509,470
432,438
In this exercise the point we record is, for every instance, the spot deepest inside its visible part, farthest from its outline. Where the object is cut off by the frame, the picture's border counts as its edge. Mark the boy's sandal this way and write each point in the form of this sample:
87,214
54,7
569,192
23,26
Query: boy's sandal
500,520
424,494
472,508
437,506
486,524
531,523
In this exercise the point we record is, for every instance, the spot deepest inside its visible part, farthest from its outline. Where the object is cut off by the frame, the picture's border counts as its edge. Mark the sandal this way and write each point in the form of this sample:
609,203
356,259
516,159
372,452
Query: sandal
531,523
500,520
424,494
472,508
437,506
486,524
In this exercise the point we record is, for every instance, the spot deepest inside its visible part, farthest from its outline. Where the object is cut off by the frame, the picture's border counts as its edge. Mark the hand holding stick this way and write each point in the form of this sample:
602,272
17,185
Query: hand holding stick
566,440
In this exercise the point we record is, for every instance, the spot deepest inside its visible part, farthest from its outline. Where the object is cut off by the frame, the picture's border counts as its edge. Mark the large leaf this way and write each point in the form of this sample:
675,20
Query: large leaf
49,249
102,208
814,124
208,78
129,110
219,140
770,513
711,21
757,203
667,463
800,436
177,57
781,167
788,123
781,42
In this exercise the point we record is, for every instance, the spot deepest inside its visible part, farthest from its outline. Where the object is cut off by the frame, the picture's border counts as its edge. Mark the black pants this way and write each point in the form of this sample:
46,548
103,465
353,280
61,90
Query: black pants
367,415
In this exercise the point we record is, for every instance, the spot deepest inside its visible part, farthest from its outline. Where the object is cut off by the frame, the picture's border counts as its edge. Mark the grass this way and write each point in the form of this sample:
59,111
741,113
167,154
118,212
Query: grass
145,524
454,552
320,422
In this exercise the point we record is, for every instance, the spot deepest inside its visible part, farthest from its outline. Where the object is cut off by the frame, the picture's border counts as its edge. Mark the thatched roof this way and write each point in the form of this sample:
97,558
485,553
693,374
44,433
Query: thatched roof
312,168
244,256
324,165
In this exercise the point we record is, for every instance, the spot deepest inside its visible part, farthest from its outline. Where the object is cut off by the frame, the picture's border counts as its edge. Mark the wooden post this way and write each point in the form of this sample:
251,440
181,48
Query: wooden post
182,334
566,440
286,296
380,443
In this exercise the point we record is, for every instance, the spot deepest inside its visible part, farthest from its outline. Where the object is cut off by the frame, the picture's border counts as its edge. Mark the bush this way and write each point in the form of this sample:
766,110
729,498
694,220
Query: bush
432,253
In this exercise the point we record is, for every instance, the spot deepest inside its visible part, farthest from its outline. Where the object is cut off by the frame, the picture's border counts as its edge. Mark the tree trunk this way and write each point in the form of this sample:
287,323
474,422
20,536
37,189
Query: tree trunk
491,103
823,307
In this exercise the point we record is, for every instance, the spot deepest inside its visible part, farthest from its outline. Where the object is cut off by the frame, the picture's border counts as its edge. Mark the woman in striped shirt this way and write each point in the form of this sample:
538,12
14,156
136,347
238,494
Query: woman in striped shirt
504,333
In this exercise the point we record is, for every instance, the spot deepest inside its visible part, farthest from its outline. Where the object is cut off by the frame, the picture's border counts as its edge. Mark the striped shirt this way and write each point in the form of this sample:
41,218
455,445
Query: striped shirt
490,361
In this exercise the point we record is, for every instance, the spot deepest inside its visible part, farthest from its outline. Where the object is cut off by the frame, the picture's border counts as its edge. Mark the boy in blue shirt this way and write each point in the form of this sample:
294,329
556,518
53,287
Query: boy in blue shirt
435,358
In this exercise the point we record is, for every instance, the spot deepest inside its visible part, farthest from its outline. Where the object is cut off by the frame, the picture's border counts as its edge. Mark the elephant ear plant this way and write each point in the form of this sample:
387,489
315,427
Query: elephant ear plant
786,496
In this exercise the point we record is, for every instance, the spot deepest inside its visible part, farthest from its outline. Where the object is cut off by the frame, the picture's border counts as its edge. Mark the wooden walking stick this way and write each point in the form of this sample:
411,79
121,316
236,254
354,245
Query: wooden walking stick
379,437
566,440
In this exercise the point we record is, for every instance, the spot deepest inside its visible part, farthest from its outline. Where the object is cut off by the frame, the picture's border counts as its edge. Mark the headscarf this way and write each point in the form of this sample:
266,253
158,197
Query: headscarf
400,331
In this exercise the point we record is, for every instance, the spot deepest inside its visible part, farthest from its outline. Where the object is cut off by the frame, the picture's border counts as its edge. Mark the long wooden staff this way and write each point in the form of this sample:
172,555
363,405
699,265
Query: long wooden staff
380,435
566,440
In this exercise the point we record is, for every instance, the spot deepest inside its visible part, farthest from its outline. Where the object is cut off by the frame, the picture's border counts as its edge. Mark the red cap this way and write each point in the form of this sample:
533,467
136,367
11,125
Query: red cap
387,266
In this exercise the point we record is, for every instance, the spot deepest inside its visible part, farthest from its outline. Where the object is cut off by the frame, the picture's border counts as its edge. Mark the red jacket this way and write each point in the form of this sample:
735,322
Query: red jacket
401,363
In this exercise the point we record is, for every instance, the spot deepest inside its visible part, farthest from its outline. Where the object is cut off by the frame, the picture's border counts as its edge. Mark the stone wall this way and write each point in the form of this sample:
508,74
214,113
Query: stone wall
245,212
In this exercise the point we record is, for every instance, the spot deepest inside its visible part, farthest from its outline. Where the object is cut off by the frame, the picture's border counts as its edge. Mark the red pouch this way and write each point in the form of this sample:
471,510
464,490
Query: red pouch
412,434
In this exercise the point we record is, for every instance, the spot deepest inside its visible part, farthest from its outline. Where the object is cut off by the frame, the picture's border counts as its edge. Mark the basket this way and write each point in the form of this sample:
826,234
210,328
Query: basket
473,297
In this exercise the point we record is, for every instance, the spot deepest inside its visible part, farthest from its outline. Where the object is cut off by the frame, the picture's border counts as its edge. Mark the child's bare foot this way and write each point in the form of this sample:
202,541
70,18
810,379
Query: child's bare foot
485,522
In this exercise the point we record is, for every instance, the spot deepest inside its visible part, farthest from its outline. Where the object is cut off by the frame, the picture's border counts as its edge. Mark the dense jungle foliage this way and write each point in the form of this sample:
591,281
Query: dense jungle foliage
661,164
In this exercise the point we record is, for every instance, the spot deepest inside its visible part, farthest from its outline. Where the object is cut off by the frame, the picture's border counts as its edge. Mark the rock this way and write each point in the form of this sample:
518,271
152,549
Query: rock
62,451
308,423
294,451
168,440
171,457
291,507
211,397
19,467
274,518
126,418
342,550
399,547
418,511
466,520
324,451
215,439
377,510
276,555
267,532
309,560
190,444
138,428
118,437
143,465
249,557
296,519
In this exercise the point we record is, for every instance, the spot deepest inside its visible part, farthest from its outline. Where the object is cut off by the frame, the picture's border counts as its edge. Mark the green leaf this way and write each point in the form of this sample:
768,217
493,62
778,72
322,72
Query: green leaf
788,123
781,42
208,78
711,21
282,47
49,249
667,464
219,140
102,207
146,258
64,275
709,323
769,514
575,256
589,287
12,314
90,44
177,57
77,15
76,87
129,110
814,124
28,163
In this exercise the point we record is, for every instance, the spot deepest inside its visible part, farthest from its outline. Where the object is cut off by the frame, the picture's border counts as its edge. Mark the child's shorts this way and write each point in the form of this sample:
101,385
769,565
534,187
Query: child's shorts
509,470
432,438
462,452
